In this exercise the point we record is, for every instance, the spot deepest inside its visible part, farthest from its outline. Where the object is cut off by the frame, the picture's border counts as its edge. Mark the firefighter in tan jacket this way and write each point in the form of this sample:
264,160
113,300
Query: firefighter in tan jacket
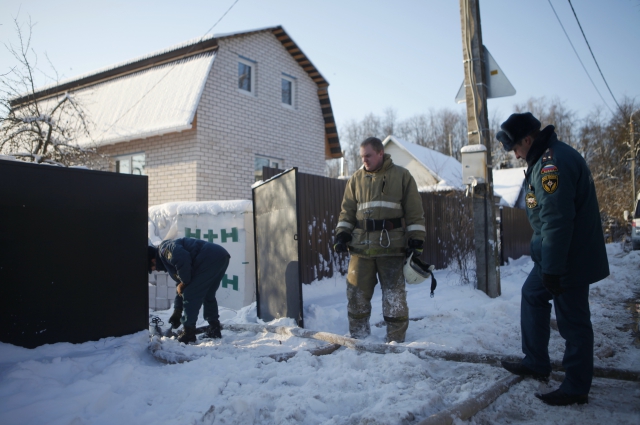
376,200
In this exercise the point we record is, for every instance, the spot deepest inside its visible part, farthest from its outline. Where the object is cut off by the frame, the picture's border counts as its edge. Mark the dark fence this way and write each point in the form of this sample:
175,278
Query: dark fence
516,232
449,223
73,254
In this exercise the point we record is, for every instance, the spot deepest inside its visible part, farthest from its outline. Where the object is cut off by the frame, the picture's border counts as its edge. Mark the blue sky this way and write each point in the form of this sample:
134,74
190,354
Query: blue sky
404,54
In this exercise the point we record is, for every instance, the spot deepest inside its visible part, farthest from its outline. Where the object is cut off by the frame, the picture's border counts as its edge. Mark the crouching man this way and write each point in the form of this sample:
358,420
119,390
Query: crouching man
198,268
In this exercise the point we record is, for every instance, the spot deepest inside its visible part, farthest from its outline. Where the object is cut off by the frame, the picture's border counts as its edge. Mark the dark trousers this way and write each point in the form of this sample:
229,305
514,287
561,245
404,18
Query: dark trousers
574,324
211,265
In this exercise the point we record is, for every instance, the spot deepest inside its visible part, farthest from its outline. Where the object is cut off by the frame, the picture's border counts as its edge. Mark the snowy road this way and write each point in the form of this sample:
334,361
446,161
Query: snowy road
232,381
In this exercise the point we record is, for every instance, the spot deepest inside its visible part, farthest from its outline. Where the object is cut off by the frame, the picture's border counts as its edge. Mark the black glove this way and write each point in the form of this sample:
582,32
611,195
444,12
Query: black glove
175,318
552,283
342,239
415,247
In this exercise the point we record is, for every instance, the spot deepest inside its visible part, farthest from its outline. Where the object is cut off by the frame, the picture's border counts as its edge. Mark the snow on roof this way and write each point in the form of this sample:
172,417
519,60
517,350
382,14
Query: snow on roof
508,183
446,169
157,100
152,55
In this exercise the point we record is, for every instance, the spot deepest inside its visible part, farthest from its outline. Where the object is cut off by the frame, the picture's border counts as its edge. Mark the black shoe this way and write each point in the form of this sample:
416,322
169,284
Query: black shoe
213,331
187,335
560,398
519,369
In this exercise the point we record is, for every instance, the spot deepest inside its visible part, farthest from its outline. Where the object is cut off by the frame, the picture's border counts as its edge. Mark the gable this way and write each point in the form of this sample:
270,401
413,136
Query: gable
159,93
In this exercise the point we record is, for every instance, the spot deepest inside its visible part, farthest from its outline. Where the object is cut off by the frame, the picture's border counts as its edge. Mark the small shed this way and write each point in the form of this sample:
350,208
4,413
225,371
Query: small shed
432,170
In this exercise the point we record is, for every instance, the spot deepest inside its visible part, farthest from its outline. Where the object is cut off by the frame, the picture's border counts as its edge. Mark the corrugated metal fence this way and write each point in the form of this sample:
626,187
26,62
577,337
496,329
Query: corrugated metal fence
448,218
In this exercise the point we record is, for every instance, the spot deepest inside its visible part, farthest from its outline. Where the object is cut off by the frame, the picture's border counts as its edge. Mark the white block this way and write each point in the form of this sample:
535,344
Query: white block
152,303
161,280
152,291
162,304
161,292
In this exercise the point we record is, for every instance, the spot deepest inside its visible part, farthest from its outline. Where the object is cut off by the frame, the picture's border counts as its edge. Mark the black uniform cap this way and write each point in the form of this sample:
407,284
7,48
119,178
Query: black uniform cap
516,127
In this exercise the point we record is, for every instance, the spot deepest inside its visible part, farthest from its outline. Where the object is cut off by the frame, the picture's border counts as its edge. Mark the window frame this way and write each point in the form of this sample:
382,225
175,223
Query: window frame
279,162
129,157
252,79
292,80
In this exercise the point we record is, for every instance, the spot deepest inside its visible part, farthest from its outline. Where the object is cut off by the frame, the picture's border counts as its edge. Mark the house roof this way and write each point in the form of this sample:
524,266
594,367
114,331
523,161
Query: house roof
175,77
446,169
507,183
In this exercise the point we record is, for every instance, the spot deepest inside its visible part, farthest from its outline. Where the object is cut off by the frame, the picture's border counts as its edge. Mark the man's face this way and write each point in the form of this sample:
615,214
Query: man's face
153,264
371,159
522,149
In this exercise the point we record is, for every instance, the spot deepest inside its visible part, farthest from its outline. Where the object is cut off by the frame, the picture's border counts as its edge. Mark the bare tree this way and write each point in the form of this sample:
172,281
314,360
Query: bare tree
34,128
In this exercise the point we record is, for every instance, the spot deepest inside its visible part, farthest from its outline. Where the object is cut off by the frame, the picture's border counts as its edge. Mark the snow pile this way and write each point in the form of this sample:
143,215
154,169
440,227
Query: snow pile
507,183
234,381
163,218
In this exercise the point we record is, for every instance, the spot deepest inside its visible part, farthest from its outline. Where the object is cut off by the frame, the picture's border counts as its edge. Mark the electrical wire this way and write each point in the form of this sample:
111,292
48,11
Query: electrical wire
169,71
593,56
578,56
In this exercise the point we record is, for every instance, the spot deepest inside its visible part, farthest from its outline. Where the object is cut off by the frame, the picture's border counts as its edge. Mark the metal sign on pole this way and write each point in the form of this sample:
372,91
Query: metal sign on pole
498,85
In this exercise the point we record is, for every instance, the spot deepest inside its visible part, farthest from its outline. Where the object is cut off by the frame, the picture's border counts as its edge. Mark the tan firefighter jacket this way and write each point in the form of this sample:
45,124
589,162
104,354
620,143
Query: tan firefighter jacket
389,193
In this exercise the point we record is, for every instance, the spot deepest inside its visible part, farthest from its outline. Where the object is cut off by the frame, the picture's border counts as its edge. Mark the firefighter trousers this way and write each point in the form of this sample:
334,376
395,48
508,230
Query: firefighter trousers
362,277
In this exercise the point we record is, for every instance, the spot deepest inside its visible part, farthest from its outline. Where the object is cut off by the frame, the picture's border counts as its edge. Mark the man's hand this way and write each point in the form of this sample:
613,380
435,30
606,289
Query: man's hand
175,318
415,248
552,283
342,239
180,288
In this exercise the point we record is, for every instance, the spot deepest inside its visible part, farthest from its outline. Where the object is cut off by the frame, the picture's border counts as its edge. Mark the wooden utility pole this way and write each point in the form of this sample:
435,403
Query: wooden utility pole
484,221
633,163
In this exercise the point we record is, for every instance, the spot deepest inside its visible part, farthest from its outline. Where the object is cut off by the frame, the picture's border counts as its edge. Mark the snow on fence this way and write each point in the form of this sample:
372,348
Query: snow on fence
226,223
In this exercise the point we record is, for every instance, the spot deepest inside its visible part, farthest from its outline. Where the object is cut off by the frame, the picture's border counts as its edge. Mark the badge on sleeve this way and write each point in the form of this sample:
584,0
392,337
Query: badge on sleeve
550,183
549,169
531,200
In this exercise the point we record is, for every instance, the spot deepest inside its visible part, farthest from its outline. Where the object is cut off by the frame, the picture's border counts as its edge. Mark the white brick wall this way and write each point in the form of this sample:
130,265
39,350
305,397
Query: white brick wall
215,161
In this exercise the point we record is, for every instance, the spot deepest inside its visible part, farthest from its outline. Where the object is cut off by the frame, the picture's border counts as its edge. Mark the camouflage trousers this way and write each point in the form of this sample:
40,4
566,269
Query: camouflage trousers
362,278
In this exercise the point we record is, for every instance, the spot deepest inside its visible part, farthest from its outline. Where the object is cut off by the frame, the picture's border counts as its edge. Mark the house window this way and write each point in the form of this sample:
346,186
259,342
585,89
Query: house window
246,75
265,161
131,164
288,90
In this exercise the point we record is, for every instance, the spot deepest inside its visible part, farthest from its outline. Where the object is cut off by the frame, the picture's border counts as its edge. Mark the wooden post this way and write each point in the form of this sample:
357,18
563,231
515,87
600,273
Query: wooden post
484,221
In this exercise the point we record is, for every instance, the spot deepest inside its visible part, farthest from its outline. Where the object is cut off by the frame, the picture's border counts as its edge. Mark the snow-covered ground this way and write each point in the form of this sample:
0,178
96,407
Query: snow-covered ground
233,381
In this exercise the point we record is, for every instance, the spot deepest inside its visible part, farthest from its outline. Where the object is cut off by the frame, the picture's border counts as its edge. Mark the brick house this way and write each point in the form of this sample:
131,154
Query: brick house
202,118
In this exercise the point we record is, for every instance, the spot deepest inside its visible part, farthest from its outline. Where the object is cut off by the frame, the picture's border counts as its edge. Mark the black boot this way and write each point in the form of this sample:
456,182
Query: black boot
519,369
213,331
175,318
560,398
187,335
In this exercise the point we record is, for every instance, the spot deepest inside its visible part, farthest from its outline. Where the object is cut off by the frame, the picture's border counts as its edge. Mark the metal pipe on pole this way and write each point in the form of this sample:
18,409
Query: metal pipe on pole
475,82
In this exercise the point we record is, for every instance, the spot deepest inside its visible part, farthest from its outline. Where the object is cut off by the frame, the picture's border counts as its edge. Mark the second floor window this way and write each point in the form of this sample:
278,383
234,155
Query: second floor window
287,90
246,76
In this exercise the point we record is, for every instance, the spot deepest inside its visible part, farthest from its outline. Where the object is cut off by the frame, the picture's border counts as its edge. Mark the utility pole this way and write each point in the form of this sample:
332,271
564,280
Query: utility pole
484,221
633,161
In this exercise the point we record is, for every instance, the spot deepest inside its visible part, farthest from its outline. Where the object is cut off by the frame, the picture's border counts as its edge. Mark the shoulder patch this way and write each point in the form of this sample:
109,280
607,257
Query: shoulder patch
549,169
547,155
550,183
531,200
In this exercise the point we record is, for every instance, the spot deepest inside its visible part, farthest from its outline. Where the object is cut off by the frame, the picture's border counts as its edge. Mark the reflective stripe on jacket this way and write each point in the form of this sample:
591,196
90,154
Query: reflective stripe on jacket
389,193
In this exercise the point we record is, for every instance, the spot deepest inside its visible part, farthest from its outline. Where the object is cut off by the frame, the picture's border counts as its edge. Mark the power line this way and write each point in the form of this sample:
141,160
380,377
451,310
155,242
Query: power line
168,72
578,56
225,14
592,55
